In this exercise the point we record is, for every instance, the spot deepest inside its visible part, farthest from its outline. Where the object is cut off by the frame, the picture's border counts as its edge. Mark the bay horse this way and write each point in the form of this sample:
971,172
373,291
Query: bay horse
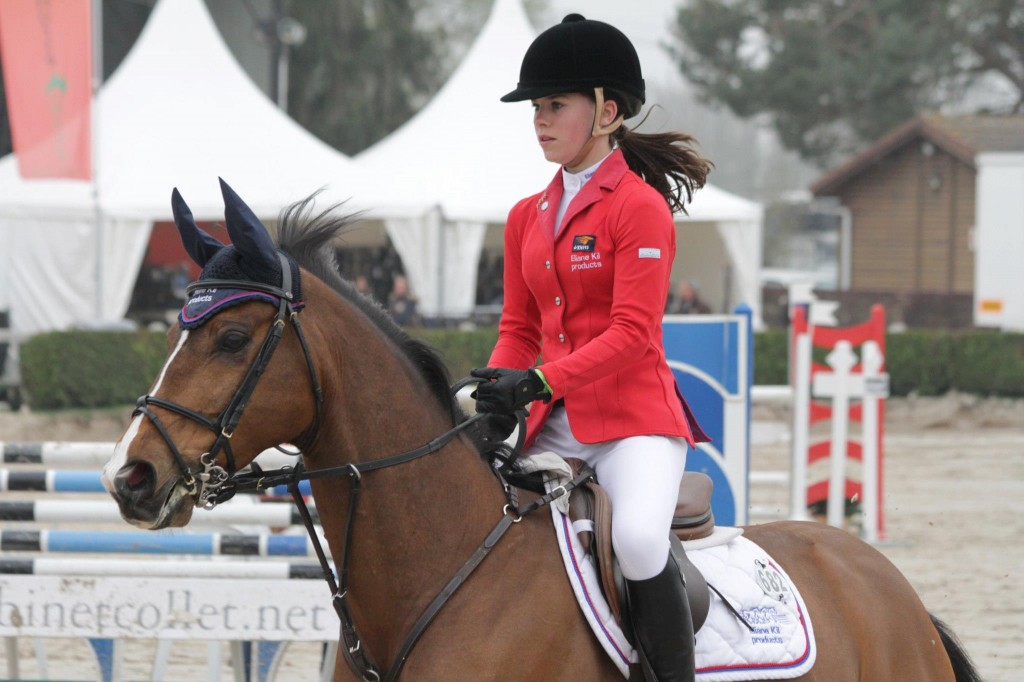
350,388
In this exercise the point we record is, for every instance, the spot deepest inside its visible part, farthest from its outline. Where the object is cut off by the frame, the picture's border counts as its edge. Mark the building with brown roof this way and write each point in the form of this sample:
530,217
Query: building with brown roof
911,201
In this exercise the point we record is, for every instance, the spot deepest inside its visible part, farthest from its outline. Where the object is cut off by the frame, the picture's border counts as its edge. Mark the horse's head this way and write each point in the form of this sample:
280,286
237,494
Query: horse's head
218,401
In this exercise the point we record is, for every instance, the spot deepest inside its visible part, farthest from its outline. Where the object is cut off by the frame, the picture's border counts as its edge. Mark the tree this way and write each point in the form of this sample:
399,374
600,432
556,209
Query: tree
368,65
833,75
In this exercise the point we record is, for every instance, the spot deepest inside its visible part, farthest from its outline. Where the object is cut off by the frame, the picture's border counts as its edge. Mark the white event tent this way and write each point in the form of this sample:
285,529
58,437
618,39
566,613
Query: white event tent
466,158
178,112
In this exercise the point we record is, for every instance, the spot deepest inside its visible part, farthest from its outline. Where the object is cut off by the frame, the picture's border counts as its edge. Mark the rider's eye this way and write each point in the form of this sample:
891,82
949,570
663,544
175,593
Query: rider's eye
233,341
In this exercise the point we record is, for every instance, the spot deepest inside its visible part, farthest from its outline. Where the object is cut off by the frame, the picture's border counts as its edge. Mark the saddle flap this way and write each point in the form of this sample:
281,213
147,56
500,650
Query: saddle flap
590,512
693,518
590,502
697,591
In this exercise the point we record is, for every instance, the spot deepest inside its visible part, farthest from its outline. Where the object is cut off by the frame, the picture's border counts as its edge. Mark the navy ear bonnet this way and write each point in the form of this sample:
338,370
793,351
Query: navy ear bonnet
251,257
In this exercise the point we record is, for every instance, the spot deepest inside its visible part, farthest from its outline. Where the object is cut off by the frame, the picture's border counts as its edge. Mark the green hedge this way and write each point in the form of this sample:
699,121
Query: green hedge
90,369
924,362
988,363
96,369
919,361
771,357
461,350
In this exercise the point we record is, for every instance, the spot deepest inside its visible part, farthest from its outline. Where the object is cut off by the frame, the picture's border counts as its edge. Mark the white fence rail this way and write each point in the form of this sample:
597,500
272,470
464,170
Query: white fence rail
236,587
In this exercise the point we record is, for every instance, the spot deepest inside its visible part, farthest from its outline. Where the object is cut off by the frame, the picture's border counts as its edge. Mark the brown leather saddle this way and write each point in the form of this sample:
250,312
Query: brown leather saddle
692,520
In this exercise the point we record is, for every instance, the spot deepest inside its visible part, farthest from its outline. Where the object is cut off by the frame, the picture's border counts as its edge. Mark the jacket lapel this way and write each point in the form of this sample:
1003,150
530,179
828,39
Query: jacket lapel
547,208
607,177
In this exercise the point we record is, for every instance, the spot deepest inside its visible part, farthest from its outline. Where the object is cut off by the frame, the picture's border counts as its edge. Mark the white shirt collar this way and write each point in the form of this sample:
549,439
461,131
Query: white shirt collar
571,185
573,182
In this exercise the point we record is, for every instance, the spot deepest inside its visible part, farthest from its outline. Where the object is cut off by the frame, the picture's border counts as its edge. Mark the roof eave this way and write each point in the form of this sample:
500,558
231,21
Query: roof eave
919,126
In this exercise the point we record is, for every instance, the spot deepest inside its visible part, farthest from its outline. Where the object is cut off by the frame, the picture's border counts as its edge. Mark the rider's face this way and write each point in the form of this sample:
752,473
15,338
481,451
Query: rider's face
563,124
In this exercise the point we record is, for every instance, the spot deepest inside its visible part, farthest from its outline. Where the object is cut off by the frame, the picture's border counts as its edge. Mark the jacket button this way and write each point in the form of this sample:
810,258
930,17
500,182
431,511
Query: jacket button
558,301
547,264
561,337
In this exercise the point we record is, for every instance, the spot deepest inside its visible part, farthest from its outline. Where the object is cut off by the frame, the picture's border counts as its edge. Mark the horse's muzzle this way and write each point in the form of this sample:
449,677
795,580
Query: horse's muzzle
143,504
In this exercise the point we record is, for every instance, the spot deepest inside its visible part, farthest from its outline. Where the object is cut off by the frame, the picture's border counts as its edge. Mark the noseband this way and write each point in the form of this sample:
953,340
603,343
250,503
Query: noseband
204,484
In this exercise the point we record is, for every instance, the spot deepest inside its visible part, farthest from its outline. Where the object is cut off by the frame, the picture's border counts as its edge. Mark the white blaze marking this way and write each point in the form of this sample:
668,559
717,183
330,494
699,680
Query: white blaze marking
120,456
174,354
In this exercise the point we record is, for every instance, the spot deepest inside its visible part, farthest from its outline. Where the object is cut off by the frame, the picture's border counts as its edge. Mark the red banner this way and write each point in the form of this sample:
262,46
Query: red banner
46,47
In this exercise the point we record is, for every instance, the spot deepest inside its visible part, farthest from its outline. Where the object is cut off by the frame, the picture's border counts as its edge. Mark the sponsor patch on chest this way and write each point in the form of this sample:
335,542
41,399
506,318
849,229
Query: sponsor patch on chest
584,242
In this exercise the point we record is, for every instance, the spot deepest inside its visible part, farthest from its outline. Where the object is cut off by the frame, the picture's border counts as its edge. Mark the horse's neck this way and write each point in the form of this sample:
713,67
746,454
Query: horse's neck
417,522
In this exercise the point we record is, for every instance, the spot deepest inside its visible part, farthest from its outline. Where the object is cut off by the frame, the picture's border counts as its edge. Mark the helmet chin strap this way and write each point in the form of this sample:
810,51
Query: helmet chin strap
598,106
598,130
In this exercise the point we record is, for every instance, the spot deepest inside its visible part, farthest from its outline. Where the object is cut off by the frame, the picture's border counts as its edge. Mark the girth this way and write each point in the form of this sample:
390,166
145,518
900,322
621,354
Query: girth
590,511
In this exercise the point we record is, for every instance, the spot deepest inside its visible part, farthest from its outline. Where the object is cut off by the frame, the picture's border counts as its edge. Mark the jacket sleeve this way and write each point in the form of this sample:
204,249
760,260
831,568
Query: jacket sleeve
644,241
519,331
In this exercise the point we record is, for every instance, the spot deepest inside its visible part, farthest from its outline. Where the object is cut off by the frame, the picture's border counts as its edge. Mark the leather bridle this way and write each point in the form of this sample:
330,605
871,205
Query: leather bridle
207,483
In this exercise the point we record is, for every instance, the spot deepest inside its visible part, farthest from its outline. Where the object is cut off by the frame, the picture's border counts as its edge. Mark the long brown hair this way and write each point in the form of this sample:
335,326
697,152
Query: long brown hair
668,161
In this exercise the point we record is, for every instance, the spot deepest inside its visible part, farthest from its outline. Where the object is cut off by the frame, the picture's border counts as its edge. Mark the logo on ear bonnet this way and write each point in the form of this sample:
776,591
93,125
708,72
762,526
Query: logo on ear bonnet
251,257
203,304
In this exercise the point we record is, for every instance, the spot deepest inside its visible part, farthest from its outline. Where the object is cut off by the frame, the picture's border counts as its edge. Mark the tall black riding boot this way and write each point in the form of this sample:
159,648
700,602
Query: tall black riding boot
663,625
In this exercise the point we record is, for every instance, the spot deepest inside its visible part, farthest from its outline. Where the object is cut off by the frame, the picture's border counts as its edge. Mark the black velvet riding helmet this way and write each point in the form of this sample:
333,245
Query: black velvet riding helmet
579,55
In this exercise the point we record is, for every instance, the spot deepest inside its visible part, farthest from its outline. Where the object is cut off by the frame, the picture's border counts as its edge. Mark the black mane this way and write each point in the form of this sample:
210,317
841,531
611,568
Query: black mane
308,238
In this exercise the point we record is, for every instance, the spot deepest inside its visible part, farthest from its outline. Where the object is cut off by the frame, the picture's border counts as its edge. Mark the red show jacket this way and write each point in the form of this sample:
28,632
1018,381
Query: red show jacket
590,301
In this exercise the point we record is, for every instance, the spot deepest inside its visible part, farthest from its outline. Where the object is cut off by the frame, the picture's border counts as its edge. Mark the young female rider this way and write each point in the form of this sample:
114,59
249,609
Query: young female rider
587,265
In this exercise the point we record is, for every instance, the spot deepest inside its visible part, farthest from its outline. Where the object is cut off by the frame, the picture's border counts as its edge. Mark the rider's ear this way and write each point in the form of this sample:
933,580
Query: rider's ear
199,245
248,234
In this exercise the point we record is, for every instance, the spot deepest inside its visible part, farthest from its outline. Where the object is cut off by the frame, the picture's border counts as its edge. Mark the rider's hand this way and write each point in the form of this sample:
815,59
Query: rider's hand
496,428
507,390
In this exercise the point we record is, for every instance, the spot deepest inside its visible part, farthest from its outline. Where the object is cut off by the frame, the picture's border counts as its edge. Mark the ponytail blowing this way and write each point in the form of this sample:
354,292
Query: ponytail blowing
667,162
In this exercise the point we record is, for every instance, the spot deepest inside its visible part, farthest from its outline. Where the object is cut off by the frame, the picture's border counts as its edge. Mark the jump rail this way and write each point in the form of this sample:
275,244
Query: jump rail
160,568
88,455
91,512
72,481
159,542
176,585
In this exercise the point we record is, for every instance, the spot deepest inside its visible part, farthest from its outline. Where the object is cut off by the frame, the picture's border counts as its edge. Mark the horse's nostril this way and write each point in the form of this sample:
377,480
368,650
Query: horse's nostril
135,479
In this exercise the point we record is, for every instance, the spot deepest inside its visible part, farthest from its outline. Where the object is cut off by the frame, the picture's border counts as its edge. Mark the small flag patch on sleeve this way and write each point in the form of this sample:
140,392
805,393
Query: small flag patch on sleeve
650,253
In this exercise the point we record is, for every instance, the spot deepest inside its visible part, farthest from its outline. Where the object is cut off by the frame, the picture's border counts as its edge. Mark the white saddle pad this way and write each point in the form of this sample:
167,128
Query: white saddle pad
780,644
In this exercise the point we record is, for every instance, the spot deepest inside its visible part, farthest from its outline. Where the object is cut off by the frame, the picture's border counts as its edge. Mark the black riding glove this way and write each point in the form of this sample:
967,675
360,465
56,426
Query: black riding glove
496,428
507,390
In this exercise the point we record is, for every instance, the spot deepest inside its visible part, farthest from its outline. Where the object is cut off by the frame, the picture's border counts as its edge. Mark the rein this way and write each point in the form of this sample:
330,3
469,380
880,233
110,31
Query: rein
352,648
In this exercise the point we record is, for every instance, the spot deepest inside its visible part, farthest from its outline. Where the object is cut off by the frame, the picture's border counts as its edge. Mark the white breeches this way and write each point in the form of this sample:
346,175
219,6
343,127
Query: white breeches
641,475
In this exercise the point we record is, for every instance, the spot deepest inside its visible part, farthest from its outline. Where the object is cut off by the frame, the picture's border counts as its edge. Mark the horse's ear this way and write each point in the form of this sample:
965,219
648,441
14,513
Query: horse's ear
248,234
199,245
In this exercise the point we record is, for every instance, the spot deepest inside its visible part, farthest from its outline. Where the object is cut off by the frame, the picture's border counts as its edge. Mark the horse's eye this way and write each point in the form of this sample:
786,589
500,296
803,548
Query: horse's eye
233,341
